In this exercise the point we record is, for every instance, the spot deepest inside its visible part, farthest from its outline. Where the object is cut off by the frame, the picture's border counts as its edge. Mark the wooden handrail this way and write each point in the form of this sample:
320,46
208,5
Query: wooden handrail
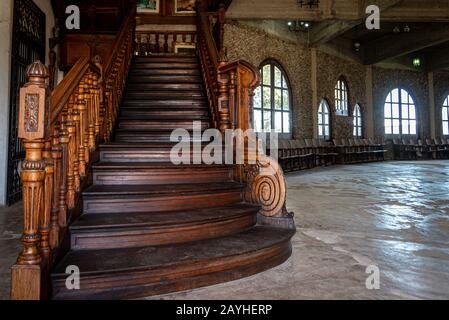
61,131
230,91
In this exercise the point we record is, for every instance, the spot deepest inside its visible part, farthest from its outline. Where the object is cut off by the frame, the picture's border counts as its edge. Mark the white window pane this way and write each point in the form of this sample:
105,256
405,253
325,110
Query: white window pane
388,126
354,133
444,114
320,131
387,110
286,100
395,110
446,128
388,98
267,121
396,124
277,77
326,119
278,99
404,110
413,127
360,132
284,83
412,114
286,116
278,122
257,120
326,131
267,75
258,98
405,124
266,98
404,96
395,96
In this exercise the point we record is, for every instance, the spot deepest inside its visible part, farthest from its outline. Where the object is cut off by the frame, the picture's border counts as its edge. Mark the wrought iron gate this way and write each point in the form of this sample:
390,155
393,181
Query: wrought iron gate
28,45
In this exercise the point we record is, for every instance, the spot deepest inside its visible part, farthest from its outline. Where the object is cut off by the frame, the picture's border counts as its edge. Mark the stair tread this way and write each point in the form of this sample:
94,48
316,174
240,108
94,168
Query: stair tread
160,219
157,190
155,165
94,262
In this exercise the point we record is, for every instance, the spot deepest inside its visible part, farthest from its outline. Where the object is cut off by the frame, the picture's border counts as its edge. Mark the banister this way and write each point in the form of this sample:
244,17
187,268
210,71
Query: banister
61,130
230,90
63,90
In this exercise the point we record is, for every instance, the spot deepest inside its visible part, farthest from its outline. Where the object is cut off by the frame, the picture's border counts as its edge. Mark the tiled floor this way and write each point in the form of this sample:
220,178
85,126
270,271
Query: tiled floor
392,215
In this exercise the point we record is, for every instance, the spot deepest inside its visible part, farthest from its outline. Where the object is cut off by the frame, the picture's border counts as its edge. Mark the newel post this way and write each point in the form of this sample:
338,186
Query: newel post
34,113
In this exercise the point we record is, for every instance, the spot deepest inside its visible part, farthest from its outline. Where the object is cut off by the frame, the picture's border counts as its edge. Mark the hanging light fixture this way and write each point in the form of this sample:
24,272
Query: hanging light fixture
297,26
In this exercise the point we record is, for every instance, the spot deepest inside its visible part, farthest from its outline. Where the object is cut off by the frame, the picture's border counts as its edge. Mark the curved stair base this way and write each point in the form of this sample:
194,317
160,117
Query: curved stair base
147,271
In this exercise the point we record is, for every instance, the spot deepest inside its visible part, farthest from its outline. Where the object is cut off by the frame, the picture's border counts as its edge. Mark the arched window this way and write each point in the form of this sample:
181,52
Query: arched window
272,101
400,113
358,128
445,117
324,131
341,98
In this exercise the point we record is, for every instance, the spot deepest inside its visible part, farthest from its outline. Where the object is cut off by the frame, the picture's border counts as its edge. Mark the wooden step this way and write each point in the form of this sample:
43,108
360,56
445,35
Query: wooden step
165,113
110,173
166,103
158,124
164,95
147,65
157,198
165,72
139,272
133,136
117,230
164,58
185,87
151,153
143,79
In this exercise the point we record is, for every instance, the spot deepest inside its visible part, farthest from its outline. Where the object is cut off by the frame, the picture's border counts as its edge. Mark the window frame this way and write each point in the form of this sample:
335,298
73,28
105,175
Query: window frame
400,118
341,96
357,122
322,121
445,110
284,87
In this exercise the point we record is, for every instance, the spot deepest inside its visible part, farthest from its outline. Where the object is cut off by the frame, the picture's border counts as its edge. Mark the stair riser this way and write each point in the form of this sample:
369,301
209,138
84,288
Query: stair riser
147,138
147,125
139,237
135,112
163,79
147,283
160,177
165,65
165,103
123,203
154,156
165,86
166,72
165,59
161,95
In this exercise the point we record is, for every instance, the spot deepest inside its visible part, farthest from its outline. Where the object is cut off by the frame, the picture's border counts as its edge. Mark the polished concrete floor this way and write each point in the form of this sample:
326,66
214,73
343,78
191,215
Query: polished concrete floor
392,215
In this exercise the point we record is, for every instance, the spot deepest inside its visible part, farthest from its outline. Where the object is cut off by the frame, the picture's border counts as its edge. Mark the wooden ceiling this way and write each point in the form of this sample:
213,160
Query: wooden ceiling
409,28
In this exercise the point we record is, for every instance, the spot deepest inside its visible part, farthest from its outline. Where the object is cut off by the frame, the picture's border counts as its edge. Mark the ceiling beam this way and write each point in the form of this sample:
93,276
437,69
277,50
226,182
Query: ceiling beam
397,45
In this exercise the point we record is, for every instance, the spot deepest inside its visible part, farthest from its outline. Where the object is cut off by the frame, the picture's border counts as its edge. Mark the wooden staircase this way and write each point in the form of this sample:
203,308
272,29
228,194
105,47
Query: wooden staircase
150,227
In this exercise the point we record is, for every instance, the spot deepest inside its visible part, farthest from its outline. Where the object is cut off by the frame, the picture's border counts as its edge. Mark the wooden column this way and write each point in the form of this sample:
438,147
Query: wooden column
27,273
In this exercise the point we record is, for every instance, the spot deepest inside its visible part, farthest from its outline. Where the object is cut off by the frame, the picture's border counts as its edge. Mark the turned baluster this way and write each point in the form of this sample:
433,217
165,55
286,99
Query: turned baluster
166,42
56,155
157,49
64,170
44,228
99,105
81,123
72,154
90,92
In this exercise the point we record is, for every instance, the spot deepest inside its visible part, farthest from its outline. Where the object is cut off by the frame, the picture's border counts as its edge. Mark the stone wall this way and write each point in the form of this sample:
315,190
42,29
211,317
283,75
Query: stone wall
329,70
244,40
441,87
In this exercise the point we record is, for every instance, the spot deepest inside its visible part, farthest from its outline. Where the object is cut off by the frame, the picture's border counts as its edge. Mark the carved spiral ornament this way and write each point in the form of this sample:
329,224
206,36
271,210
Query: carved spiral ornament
268,187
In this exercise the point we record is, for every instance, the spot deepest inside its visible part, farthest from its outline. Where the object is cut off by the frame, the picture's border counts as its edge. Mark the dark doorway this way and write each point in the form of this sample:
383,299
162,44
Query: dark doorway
28,45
